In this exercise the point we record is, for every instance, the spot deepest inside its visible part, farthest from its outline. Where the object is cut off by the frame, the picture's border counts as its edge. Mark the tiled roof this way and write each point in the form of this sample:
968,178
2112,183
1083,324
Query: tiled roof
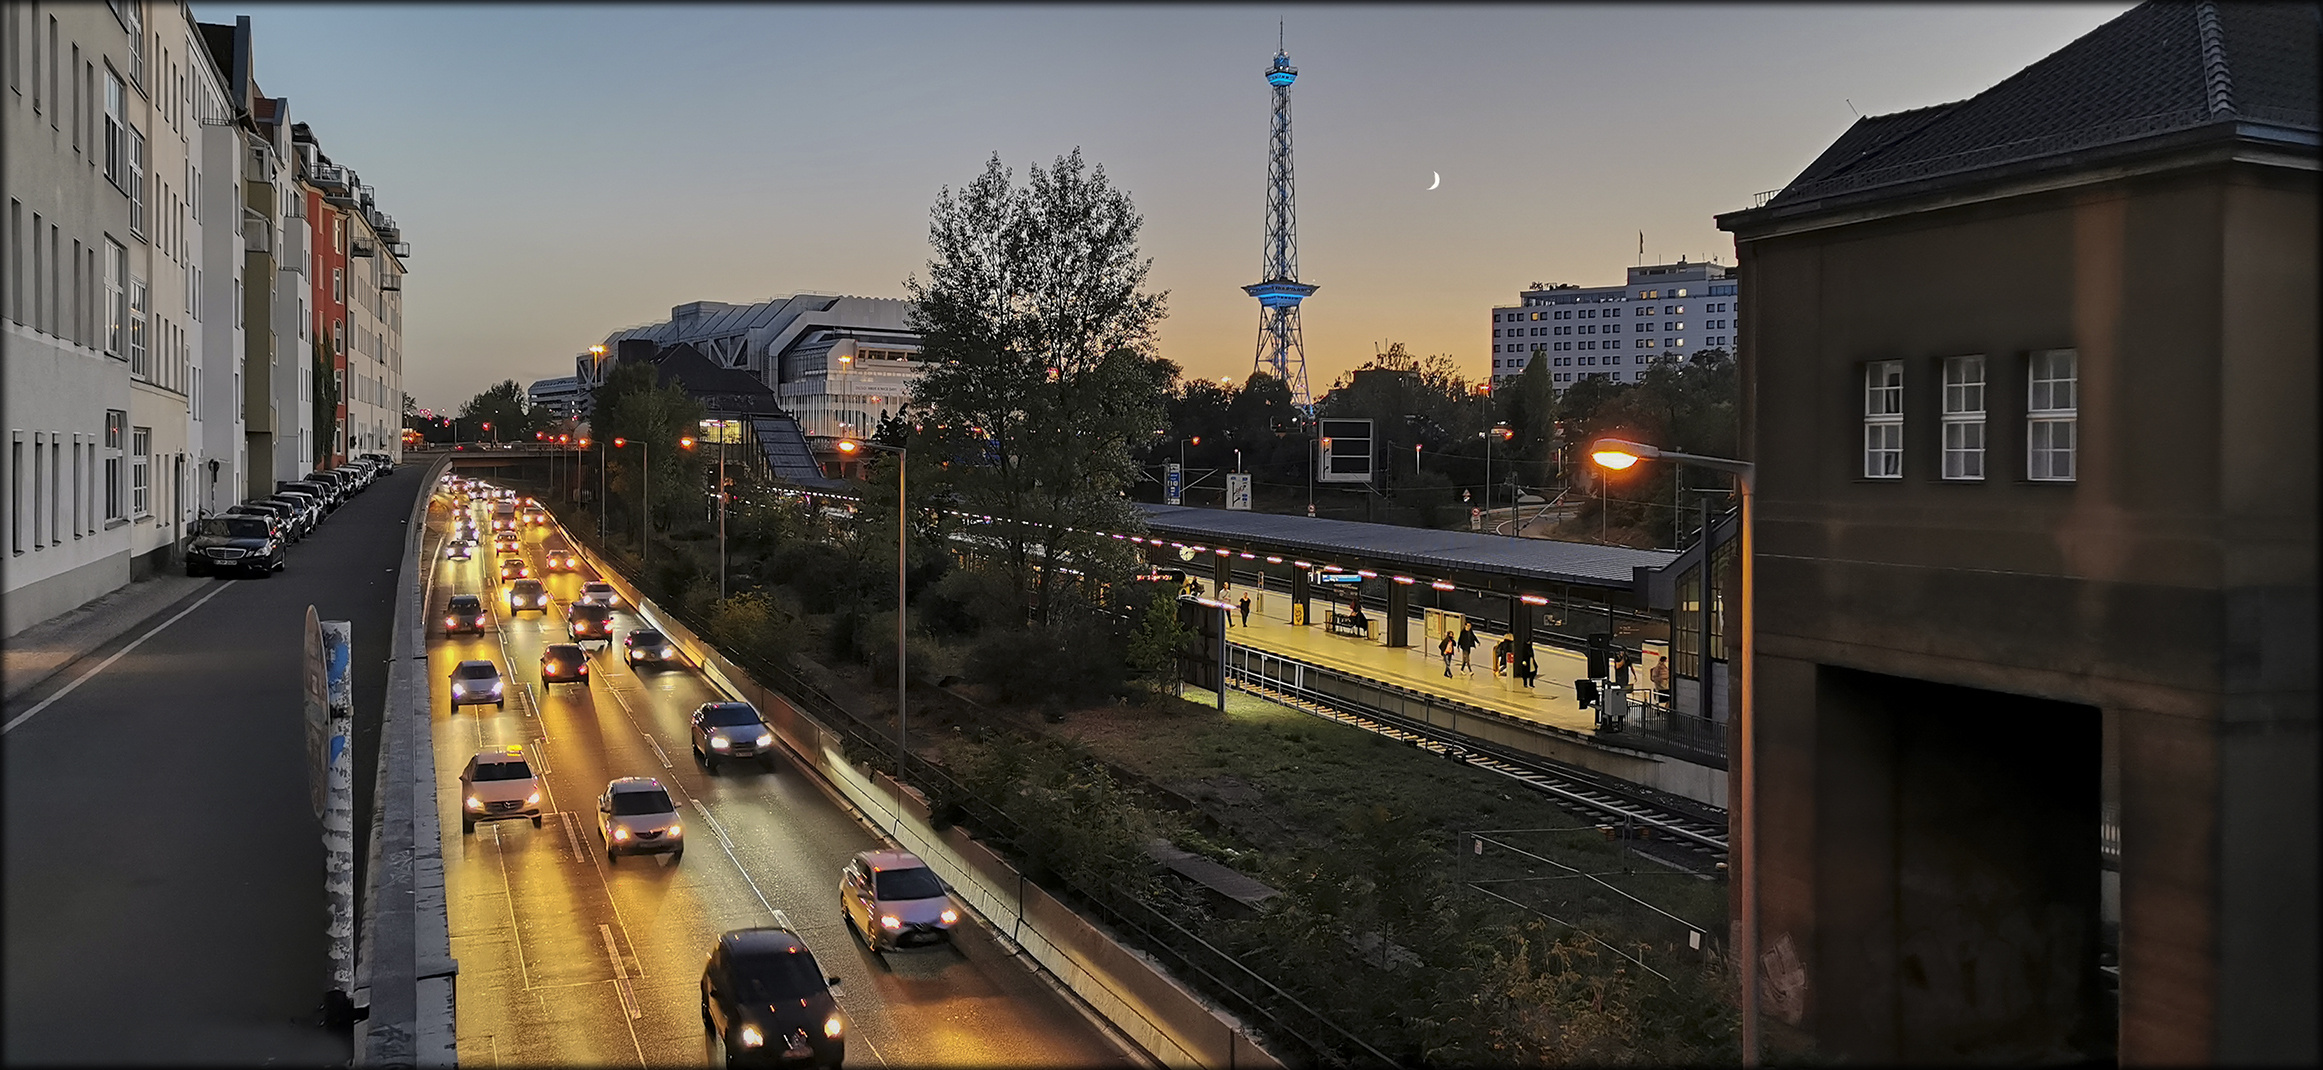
2160,68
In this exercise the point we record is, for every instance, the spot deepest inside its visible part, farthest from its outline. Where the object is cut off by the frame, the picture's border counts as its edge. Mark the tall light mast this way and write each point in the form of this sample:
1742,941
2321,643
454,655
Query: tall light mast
1281,351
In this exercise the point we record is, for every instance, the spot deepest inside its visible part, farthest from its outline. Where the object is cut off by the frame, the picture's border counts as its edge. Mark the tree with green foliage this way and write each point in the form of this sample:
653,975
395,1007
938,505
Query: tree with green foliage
1041,378
632,406
507,408
1153,647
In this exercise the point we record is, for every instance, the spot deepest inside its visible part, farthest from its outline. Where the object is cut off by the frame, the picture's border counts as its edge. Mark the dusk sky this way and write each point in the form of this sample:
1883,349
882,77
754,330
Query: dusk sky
562,172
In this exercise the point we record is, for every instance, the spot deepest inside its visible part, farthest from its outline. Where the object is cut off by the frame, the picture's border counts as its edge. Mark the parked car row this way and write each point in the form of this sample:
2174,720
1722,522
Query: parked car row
254,536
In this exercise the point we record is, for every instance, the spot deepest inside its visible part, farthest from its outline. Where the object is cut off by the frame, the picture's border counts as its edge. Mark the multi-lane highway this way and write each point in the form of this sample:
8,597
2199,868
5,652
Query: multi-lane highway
566,958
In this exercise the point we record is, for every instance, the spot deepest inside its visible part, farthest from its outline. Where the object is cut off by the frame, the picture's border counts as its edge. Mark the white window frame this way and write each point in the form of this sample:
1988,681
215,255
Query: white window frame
1883,419
2052,415
1963,418
140,360
116,129
116,421
140,472
116,299
135,187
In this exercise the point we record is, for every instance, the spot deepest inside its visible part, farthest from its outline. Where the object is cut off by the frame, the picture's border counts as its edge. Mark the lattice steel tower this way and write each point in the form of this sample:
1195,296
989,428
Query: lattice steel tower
1281,352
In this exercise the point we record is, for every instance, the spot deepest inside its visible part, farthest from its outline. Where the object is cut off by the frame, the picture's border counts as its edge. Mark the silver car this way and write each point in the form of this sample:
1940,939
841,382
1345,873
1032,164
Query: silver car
636,816
895,900
723,730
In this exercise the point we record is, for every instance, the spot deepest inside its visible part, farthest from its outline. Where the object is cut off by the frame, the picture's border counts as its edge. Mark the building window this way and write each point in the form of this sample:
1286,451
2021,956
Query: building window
16,493
116,300
140,469
135,186
115,420
338,285
2051,411
140,365
1963,418
1883,419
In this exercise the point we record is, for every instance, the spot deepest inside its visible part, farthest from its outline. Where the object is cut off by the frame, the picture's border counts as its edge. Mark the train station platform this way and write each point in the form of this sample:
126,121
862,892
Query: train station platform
1420,667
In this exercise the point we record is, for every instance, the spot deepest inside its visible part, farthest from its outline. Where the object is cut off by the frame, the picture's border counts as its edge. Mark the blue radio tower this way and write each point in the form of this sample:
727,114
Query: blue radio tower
1281,352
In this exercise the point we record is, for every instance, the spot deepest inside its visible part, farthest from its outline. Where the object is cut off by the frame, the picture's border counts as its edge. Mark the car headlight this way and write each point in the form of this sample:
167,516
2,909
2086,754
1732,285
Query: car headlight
676,831
719,743
669,652
950,916
832,1027
765,738
451,621
534,800
475,803
495,687
751,1037
459,689
620,833
890,922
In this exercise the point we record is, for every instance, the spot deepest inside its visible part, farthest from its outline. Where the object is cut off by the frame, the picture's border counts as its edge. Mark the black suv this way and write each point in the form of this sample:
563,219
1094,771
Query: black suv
251,543
464,614
764,995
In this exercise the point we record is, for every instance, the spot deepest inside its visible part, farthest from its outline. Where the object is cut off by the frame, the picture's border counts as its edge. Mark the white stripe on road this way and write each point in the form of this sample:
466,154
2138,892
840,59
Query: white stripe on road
620,974
108,662
573,833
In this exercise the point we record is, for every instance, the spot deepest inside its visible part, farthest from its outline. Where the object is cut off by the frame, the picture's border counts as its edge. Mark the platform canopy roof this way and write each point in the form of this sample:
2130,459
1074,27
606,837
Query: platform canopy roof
1428,552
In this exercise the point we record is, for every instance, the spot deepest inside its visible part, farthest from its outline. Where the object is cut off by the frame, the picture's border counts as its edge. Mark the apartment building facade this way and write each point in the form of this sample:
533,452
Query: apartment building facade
837,364
1661,314
153,296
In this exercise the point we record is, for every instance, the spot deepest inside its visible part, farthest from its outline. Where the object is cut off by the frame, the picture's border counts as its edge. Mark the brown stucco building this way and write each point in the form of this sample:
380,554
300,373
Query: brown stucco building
2036,558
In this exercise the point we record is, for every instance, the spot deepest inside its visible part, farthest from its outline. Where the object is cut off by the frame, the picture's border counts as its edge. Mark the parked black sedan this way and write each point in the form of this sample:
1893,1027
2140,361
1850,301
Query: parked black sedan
246,543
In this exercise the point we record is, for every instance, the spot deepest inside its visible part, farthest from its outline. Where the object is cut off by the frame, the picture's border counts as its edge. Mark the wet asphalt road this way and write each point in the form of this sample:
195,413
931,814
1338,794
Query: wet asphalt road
568,959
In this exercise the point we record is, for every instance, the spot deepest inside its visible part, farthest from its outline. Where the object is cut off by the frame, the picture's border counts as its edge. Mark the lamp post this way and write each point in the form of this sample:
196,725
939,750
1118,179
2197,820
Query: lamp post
1617,454
645,496
725,427
1499,431
902,525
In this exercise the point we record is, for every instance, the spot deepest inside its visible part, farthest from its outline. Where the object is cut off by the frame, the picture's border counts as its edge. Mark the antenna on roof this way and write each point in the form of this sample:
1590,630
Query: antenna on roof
1851,108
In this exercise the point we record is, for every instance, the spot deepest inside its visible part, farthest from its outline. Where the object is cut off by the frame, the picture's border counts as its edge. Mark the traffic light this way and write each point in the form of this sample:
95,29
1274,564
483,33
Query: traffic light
1600,655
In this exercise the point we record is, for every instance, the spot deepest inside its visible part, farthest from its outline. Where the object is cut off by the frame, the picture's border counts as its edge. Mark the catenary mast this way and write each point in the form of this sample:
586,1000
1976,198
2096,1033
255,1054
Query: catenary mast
1281,352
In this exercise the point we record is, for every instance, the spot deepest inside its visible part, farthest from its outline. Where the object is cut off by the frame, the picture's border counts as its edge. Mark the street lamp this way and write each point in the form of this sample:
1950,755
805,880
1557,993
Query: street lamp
1496,431
1618,454
725,428
902,518
645,495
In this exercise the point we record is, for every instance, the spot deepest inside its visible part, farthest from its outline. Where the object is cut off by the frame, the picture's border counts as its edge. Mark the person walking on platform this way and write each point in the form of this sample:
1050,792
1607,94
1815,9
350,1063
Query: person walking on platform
1446,647
1245,611
1500,652
1526,668
1467,648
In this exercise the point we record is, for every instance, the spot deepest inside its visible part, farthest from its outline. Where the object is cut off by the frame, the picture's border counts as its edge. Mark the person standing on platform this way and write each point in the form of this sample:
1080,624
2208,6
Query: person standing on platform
1467,648
1526,668
1446,647
1245,607
1500,652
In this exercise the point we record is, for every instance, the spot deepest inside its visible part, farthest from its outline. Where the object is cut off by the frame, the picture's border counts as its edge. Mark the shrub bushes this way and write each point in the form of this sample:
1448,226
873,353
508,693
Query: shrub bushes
1048,664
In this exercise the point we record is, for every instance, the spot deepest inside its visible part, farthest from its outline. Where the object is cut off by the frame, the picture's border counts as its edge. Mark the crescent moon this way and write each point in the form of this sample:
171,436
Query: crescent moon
1437,180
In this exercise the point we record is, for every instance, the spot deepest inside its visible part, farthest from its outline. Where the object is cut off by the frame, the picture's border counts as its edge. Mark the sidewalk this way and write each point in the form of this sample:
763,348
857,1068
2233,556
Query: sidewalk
40,652
1418,667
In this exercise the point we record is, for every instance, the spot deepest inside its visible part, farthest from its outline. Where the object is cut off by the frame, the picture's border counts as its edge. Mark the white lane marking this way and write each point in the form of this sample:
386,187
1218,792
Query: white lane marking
631,713
108,662
727,846
658,752
540,758
620,974
573,833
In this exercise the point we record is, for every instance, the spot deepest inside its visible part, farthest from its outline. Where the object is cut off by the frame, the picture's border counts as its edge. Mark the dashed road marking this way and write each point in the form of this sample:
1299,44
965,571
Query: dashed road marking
573,834
620,974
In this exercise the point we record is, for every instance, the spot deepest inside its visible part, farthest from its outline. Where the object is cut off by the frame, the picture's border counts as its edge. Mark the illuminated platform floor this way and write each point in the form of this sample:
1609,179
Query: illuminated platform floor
1419,667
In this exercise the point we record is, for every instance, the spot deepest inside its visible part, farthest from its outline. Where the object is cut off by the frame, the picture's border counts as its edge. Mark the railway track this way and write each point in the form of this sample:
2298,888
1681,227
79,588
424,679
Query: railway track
1691,838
